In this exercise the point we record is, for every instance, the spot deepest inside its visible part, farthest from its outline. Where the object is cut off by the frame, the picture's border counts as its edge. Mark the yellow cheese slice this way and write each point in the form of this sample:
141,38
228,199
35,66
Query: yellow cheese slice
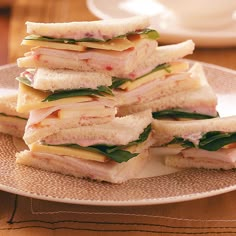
175,67
119,44
114,44
68,151
62,46
31,99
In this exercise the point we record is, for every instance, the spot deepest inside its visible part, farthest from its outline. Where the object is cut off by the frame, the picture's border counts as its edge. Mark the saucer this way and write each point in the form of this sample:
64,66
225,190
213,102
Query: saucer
164,22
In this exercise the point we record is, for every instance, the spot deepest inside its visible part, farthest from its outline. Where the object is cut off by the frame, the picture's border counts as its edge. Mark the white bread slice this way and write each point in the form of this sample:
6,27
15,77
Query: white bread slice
182,162
38,132
165,131
119,131
119,64
11,125
201,100
110,171
102,29
172,52
49,79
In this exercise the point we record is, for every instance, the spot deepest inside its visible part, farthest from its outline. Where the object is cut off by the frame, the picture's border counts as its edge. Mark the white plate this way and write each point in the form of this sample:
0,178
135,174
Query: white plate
164,22
166,187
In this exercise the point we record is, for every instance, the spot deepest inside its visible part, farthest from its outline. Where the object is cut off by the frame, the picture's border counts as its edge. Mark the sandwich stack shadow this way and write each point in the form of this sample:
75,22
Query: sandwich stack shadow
91,90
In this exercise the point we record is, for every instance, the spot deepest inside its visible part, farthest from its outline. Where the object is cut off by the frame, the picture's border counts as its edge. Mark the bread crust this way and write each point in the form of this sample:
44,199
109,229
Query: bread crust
196,100
12,125
46,79
182,162
119,131
165,130
102,29
111,171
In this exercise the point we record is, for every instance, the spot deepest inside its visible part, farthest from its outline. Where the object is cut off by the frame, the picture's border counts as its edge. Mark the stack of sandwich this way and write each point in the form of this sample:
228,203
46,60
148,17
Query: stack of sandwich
68,90
92,88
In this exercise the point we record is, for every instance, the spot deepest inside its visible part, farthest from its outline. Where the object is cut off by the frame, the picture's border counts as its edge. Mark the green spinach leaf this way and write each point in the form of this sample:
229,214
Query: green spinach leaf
179,114
210,141
100,91
113,152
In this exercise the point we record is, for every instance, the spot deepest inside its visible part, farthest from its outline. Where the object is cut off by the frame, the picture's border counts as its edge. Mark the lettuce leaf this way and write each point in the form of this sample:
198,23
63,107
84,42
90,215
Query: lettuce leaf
175,113
60,40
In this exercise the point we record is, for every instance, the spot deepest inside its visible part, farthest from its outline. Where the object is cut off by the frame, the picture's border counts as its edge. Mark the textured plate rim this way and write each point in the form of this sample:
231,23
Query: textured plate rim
144,202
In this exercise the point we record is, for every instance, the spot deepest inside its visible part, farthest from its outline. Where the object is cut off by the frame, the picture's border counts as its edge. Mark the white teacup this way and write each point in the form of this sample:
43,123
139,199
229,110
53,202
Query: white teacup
202,14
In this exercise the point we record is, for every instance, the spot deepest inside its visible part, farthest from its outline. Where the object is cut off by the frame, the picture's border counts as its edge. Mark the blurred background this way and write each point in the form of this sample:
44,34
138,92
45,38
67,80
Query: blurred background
14,14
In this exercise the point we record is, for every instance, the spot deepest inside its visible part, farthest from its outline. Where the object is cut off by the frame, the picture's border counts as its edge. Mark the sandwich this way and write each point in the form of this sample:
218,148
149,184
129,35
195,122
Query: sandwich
129,64
58,99
57,80
11,122
193,98
207,143
119,46
79,74
87,31
162,55
162,76
113,152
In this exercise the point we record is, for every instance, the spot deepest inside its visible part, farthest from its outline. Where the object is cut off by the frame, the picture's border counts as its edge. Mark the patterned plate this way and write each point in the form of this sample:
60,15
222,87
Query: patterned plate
173,187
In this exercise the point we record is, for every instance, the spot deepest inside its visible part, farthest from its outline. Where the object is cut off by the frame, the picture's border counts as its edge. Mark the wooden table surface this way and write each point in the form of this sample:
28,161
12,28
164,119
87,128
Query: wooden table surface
24,216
